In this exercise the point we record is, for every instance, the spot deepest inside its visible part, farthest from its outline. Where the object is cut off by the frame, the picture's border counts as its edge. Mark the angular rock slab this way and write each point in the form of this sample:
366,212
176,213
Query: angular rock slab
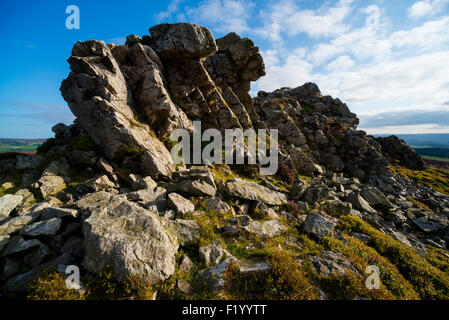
18,244
48,227
267,229
17,223
50,185
8,203
252,191
179,203
130,239
319,225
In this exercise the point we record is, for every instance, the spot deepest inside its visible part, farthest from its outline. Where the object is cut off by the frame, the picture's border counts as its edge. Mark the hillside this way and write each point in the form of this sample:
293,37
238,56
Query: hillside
108,196
20,145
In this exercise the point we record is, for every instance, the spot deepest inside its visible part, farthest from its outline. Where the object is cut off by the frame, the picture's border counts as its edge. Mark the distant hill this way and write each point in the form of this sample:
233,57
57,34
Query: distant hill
428,140
20,145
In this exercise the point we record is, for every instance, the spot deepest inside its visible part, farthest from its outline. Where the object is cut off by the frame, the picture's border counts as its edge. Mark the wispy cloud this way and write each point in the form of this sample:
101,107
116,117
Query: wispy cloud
426,7
223,15
172,8
411,117
287,17
26,104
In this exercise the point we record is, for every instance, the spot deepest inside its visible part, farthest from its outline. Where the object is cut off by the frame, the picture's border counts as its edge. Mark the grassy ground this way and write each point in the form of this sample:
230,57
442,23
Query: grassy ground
435,158
434,178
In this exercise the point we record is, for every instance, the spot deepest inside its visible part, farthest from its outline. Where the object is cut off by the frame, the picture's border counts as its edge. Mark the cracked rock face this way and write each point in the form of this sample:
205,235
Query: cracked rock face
98,95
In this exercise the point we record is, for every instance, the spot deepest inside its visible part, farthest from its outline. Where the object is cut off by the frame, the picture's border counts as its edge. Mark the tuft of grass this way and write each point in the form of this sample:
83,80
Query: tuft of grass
393,284
438,258
51,286
283,281
437,179
428,280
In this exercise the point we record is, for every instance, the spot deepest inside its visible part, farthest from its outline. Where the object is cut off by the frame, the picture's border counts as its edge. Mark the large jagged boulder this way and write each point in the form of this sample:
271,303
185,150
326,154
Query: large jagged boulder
397,150
129,239
182,41
97,93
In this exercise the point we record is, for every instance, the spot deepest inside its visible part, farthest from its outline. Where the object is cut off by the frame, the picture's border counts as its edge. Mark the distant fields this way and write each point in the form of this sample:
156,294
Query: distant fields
20,145
441,154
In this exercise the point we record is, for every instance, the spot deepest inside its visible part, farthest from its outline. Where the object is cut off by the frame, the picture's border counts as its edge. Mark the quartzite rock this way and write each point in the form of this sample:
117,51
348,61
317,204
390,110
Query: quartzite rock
130,239
248,190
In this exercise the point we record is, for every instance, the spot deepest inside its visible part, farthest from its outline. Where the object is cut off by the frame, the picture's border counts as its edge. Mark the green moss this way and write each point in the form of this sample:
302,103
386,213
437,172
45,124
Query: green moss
393,284
305,178
222,172
438,258
349,286
437,179
429,281
284,280
51,286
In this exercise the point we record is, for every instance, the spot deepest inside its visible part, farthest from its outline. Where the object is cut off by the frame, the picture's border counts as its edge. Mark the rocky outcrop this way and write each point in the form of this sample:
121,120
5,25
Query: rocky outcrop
109,195
97,93
397,151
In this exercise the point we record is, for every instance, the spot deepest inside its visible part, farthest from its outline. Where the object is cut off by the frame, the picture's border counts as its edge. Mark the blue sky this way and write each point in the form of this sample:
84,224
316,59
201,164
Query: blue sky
388,60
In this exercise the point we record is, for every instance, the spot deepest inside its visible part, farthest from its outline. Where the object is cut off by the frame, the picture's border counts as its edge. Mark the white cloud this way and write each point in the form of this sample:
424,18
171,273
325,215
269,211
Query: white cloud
321,22
288,17
426,7
414,83
171,9
368,41
341,64
323,52
430,35
295,71
223,15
